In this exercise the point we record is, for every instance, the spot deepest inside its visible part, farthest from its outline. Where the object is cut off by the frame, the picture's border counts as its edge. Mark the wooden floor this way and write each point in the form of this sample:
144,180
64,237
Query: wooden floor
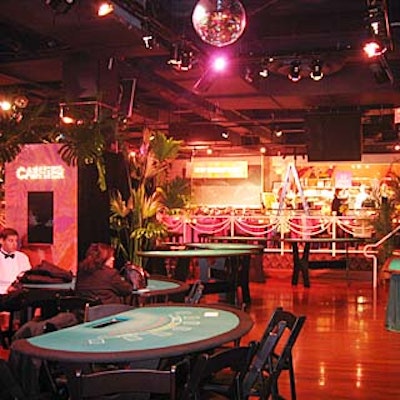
344,350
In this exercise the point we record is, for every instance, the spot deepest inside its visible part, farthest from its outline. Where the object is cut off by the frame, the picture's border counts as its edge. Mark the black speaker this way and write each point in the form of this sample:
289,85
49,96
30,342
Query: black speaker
87,77
334,136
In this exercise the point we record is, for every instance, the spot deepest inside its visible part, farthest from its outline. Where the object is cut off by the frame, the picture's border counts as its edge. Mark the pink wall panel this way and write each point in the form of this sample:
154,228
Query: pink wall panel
63,252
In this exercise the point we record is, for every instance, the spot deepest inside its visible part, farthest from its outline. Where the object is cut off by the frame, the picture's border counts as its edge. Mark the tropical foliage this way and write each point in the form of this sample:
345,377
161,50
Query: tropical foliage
18,128
176,192
134,222
388,214
84,145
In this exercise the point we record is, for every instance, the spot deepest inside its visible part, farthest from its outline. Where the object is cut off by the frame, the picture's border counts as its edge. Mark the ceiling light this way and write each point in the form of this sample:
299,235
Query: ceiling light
219,63
181,57
316,70
186,59
263,72
225,135
249,75
21,101
5,105
104,9
294,72
175,55
60,6
147,37
219,22
374,48
148,40
278,132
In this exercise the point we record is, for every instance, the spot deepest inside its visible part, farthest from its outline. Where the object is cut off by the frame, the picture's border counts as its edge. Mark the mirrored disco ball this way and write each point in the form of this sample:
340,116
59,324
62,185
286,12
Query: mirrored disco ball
219,22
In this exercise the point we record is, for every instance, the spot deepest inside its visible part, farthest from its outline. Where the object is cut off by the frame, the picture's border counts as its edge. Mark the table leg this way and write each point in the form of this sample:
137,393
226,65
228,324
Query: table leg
244,279
301,264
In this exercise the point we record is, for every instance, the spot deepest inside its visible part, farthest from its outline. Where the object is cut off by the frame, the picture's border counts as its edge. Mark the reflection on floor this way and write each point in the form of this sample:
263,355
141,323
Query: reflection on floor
344,350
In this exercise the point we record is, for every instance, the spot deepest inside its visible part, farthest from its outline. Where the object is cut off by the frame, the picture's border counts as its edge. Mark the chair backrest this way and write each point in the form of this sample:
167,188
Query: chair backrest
293,324
236,359
277,358
104,310
74,303
123,381
195,293
262,357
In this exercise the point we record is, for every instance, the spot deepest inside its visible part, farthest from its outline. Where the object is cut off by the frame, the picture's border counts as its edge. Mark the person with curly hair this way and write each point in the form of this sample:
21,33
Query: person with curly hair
97,277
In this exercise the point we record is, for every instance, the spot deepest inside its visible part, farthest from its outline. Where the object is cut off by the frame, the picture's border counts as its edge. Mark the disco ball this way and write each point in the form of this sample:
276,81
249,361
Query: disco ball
219,22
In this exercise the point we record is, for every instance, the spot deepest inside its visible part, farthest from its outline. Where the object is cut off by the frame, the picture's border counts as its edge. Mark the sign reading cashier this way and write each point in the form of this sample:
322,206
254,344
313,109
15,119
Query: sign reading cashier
40,172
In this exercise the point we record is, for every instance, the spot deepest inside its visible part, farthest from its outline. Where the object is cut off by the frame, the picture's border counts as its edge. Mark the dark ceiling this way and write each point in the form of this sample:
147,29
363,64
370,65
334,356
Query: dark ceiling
59,54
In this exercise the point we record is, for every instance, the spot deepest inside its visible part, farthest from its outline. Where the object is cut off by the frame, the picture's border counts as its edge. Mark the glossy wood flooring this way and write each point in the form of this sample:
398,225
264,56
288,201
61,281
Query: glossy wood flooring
344,350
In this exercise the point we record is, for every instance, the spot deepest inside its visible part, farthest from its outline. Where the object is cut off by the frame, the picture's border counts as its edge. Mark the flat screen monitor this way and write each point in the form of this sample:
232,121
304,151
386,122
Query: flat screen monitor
40,217
334,136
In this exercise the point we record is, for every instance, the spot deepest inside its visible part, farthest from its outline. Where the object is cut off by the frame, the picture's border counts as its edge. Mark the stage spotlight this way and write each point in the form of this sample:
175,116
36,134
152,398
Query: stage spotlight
148,36
181,57
175,55
219,64
249,75
316,70
374,48
104,9
263,71
60,6
148,40
5,105
225,135
294,72
186,60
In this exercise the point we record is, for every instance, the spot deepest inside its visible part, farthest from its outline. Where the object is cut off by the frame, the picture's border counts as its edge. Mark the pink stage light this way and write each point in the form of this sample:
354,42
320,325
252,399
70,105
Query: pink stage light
219,64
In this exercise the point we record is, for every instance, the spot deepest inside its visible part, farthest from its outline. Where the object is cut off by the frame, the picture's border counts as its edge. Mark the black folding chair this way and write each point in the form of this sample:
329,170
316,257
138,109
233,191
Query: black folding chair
258,381
220,373
282,359
128,381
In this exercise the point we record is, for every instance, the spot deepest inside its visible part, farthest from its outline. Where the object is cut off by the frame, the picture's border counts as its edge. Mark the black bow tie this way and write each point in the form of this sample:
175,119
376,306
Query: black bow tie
8,255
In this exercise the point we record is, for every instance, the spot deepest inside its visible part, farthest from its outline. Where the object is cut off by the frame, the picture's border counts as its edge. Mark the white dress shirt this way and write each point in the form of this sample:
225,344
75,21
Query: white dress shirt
11,267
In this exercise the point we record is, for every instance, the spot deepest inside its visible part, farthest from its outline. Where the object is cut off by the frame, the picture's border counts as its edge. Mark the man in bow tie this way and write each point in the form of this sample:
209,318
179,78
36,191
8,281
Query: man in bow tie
12,261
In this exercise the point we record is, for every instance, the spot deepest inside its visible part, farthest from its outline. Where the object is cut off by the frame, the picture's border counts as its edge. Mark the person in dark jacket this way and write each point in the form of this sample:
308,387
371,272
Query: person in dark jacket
336,203
97,277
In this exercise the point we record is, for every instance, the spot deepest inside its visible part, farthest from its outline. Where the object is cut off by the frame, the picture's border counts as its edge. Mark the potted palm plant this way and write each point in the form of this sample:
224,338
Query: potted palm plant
134,223
387,197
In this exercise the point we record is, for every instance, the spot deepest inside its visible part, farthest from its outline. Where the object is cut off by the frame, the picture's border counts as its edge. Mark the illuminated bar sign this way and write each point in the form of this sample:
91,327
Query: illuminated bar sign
219,169
343,179
40,172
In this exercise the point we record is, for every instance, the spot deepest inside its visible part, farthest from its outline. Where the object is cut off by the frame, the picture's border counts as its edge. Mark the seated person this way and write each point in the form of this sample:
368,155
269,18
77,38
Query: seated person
12,261
97,277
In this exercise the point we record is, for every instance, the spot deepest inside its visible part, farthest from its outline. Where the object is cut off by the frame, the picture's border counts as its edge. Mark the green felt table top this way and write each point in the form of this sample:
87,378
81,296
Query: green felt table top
142,333
195,253
394,264
162,286
158,284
